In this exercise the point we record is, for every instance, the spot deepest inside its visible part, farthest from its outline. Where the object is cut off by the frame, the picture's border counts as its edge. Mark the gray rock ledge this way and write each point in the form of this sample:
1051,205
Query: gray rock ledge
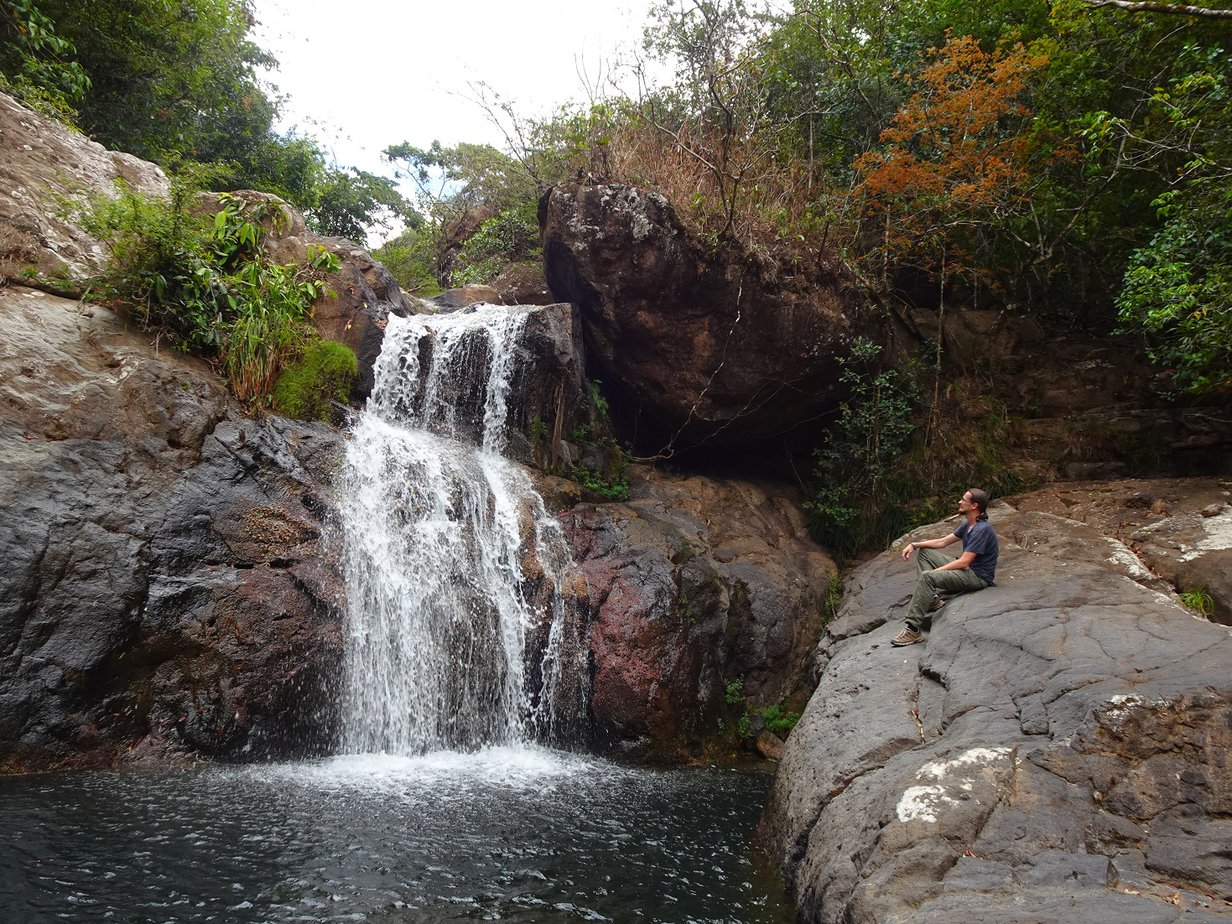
1059,749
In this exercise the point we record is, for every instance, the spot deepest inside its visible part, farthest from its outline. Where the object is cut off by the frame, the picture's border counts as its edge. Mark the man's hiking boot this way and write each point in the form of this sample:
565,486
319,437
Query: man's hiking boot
937,602
908,636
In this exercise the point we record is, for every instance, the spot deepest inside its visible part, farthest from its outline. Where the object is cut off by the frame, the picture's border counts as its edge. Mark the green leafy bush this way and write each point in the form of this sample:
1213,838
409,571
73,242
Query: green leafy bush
779,719
307,388
37,63
1178,288
511,236
207,285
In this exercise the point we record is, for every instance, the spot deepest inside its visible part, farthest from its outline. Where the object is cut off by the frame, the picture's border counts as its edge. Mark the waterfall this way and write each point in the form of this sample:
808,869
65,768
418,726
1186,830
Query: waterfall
459,629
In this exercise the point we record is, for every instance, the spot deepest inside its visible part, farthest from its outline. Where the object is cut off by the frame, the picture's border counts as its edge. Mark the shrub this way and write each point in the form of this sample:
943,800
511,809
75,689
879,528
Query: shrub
307,388
208,286
509,237
779,719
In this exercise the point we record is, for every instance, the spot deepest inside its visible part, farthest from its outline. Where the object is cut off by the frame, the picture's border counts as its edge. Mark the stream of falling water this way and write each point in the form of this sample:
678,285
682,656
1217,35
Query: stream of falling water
459,635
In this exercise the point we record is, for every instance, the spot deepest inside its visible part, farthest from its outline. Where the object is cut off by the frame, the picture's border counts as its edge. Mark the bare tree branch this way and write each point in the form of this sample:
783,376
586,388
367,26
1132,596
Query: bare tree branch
1146,6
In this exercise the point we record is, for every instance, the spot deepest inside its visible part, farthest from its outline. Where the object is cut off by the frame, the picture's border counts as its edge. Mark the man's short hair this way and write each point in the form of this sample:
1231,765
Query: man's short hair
979,497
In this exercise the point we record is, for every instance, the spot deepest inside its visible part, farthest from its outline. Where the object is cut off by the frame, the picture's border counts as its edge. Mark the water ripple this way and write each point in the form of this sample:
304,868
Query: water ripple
508,834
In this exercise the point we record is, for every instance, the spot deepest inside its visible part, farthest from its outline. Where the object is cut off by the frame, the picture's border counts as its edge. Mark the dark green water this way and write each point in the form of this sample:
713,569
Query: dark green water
504,835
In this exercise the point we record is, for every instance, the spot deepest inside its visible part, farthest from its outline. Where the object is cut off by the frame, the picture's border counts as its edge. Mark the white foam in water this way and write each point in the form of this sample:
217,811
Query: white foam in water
442,772
437,526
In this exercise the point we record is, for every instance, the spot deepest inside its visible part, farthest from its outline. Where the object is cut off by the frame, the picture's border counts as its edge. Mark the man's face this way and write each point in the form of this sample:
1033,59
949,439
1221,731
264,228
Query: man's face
965,503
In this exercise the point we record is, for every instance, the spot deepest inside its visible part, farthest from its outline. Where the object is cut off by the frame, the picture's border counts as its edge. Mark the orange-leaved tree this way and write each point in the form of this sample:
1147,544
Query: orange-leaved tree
953,166
954,161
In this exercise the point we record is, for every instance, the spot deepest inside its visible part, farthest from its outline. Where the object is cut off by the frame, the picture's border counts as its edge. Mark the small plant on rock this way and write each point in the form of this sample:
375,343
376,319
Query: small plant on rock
1199,600
733,692
779,719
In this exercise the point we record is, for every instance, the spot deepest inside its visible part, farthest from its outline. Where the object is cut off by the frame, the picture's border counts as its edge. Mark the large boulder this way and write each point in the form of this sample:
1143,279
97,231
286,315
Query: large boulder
46,170
700,592
1056,750
709,345
168,588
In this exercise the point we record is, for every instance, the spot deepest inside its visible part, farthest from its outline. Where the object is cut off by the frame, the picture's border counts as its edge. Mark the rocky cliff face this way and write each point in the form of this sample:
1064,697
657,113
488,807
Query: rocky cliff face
694,584
168,587
45,172
720,350
1057,750
172,591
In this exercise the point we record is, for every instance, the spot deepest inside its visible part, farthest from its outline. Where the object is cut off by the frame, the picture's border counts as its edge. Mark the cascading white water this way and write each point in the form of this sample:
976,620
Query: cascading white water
458,633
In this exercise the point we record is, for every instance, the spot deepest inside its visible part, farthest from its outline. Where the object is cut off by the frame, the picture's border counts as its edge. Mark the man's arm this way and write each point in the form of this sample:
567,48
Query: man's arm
931,544
961,563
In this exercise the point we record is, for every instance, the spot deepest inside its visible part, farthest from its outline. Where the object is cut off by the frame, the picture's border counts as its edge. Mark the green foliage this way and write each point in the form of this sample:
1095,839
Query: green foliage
465,191
733,692
308,387
1178,287
1199,601
615,488
206,284
167,81
36,62
613,482
177,83
511,237
350,201
779,719
411,258
744,726
856,461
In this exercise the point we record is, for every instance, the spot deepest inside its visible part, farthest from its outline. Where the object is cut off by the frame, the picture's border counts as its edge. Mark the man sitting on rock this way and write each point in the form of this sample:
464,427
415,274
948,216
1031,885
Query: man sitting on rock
974,569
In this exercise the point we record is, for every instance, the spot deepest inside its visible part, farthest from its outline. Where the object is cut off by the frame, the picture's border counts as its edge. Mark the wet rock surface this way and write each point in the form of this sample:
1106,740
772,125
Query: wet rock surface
693,584
168,589
1056,750
724,352
46,172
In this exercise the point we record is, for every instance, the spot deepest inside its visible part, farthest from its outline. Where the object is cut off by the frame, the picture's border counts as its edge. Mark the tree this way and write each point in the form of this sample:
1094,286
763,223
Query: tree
460,188
36,62
175,82
1177,289
718,114
352,202
953,162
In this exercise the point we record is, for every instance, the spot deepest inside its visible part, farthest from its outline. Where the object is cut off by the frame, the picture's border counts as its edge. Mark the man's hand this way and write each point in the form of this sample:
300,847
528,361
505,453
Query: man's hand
907,550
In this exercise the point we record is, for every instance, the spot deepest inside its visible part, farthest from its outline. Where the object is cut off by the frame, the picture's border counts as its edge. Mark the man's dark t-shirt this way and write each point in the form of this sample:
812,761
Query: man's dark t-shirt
981,539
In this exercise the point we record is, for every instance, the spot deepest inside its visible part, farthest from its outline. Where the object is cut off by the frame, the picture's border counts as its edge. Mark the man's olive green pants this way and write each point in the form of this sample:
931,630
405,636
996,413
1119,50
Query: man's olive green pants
932,582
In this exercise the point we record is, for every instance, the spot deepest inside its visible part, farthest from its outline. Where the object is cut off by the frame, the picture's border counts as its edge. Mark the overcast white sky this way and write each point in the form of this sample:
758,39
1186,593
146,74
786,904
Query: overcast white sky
366,74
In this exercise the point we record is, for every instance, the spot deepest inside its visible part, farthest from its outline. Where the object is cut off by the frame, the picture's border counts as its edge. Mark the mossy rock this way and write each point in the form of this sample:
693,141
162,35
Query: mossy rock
308,387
